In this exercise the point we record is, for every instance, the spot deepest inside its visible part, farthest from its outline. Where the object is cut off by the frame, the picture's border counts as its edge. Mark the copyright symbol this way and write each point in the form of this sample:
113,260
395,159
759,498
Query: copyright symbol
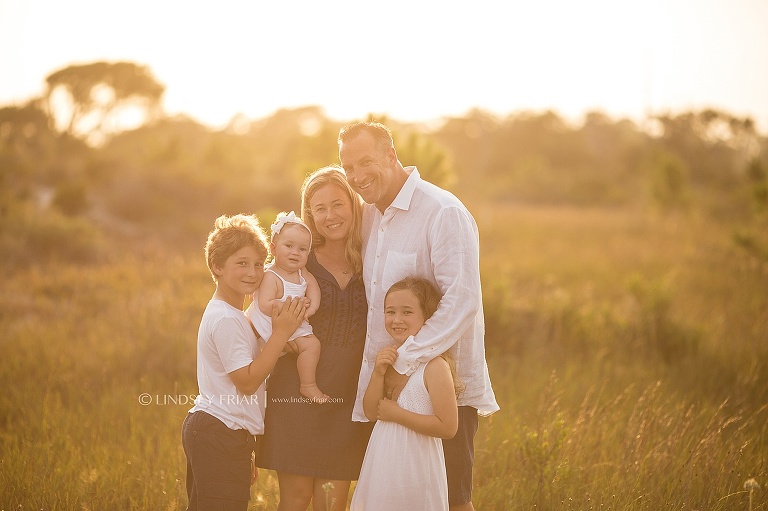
145,399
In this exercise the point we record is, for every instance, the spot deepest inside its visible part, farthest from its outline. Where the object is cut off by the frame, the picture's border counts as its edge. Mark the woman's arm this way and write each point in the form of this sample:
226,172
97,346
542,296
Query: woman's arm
313,292
375,391
268,293
285,321
445,419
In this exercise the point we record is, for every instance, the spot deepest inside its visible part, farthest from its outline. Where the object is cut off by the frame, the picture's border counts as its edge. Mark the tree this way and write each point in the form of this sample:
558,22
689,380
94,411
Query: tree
90,101
28,147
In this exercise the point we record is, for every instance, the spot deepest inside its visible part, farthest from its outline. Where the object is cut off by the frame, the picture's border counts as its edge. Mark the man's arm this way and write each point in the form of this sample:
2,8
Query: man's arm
455,260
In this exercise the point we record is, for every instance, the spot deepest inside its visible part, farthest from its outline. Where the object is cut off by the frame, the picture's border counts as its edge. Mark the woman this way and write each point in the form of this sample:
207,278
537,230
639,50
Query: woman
310,444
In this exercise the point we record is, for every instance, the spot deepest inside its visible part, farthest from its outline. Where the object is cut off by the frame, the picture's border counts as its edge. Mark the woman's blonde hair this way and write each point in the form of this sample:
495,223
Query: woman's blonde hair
230,234
429,299
334,175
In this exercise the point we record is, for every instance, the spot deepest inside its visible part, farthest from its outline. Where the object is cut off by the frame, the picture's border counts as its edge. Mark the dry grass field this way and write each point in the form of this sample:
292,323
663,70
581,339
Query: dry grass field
627,350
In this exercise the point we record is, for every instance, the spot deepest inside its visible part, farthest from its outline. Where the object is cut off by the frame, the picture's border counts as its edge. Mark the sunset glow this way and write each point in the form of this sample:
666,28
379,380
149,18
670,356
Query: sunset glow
410,60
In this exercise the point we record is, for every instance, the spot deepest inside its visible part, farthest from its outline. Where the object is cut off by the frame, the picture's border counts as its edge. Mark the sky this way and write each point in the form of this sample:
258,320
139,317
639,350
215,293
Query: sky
413,60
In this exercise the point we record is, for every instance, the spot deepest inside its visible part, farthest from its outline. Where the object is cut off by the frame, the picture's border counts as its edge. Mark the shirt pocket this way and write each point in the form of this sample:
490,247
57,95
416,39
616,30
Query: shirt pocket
397,266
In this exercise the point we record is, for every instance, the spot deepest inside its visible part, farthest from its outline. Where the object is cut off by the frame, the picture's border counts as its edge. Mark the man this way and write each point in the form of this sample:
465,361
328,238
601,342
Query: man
412,227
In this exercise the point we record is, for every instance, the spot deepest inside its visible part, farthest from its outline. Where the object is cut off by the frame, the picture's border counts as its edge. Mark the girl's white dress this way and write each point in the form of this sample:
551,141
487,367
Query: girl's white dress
263,323
403,469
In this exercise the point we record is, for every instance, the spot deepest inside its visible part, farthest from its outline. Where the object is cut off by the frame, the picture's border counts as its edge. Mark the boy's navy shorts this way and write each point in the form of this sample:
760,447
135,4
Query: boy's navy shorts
218,463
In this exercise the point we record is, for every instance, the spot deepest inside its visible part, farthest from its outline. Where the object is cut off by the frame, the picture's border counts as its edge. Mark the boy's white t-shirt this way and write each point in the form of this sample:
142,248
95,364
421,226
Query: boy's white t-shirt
225,343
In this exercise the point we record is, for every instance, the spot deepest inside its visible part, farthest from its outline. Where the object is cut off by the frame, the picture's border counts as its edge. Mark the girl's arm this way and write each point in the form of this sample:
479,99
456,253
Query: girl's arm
313,292
268,293
445,419
375,391
249,378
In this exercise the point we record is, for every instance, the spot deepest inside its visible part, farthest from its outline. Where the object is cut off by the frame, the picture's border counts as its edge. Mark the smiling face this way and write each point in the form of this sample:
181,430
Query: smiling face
291,247
403,315
240,275
332,212
370,168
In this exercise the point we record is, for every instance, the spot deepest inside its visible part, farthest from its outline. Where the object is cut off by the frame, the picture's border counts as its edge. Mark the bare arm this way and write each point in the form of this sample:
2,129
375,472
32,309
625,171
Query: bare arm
375,391
313,292
268,293
284,322
444,421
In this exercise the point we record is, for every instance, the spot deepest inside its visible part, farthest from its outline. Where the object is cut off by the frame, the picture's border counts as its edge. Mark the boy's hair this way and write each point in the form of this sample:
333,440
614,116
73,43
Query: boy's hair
230,234
429,298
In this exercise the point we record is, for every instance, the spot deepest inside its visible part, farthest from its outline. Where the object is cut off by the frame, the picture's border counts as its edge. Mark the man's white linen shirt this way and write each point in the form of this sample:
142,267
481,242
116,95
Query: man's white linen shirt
427,232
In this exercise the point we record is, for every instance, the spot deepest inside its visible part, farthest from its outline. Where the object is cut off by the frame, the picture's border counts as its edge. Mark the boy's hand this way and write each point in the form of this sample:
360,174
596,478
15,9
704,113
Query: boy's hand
385,358
287,318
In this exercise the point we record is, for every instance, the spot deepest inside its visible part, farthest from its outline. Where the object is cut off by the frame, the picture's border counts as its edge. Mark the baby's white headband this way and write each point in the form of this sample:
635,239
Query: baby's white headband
288,218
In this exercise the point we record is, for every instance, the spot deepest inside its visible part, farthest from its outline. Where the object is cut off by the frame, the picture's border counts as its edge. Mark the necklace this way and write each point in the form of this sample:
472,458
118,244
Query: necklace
333,267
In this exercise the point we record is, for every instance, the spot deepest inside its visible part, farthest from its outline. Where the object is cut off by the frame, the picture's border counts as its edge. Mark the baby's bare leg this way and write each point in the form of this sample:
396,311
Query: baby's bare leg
306,364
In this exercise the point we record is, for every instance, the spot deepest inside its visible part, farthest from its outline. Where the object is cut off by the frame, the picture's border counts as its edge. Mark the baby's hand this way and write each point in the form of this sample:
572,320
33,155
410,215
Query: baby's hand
310,310
386,357
387,410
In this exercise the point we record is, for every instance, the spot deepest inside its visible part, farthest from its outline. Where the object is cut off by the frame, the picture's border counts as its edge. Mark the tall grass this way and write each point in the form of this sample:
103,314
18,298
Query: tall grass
627,352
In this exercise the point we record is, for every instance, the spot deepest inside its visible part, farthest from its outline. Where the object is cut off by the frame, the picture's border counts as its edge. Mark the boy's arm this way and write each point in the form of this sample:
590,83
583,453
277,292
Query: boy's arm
267,294
313,292
285,321
444,421
375,391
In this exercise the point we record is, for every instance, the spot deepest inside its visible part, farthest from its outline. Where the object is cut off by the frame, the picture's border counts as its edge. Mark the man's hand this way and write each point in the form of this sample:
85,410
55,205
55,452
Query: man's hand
394,383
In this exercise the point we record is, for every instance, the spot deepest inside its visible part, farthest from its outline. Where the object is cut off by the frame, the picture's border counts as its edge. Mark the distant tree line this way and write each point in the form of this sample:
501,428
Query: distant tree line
77,182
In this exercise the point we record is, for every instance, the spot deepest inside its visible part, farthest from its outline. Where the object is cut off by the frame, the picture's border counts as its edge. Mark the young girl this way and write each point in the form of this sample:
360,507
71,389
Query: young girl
286,277
404,466
217,434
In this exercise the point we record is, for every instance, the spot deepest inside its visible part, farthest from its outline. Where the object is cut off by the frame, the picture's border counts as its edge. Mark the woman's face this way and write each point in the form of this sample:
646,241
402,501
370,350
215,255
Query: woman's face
332,212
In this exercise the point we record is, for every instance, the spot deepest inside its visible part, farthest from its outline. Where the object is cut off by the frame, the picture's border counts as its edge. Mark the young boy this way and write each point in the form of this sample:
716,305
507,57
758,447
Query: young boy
232,364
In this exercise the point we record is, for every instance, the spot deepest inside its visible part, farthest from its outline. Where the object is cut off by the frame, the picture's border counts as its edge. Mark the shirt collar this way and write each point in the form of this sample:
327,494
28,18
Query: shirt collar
403,199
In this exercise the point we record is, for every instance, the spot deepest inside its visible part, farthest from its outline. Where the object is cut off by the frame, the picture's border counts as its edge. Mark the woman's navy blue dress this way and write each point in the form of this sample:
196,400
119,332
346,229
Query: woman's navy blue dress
320,440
